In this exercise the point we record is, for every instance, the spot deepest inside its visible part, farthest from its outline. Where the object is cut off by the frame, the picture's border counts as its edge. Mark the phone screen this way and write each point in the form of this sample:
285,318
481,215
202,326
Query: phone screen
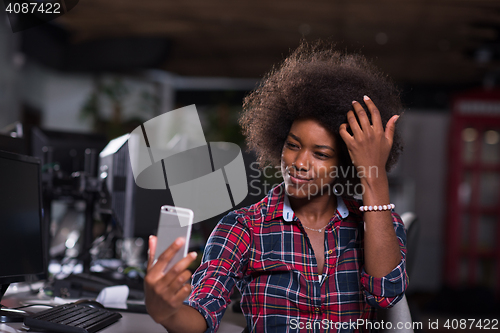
174,222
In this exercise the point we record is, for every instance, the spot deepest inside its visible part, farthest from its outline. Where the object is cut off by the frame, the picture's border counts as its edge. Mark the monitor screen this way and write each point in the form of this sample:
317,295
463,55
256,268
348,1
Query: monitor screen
68,149
21,250
135,210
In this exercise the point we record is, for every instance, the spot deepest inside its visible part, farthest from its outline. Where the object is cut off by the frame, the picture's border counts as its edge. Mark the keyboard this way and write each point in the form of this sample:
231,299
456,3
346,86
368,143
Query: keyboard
72,318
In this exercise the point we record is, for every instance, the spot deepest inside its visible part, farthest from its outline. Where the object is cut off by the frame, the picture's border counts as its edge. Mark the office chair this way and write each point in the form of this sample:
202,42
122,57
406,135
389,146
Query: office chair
400,313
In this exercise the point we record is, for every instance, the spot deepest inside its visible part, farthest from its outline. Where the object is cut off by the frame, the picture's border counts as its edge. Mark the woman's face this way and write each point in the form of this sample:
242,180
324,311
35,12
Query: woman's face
309,160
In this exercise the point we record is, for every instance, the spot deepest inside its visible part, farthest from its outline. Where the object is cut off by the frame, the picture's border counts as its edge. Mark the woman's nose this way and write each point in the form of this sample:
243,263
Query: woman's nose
301,161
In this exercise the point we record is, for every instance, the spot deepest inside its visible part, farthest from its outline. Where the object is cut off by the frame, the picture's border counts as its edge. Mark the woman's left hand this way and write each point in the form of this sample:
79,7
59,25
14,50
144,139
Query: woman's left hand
370,144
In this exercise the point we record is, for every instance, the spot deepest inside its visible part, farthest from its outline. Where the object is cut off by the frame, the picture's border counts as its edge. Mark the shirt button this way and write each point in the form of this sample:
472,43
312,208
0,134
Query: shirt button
316,309
330,251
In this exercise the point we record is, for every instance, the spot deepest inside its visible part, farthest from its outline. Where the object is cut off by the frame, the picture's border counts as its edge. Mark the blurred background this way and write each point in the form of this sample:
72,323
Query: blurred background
105,67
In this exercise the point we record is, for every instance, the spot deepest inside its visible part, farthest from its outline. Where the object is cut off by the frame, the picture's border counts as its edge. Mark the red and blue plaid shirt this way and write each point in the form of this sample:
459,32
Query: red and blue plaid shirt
264,251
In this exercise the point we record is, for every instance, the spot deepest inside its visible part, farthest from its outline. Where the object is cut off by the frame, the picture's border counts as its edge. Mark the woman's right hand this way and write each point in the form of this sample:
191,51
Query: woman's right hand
165,291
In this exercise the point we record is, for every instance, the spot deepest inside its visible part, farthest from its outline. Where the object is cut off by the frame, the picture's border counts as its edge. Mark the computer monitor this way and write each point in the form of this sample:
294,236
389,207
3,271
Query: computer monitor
135,210
67,148
62,154
22,253
13,145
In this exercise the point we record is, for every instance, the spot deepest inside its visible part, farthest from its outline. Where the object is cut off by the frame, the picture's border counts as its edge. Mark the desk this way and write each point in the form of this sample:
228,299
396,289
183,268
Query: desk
130,323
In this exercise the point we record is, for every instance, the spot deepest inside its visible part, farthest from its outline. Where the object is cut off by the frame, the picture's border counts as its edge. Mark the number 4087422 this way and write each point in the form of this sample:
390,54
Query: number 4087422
34,8
485,324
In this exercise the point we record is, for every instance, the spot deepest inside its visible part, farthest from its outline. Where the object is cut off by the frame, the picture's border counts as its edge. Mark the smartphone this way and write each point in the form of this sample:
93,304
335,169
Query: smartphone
174,222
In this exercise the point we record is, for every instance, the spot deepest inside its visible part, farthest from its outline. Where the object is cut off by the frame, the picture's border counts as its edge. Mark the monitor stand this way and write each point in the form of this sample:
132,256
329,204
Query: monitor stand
10,315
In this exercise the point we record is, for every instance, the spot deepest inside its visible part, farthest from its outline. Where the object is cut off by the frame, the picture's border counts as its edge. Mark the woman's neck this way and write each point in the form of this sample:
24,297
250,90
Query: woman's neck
315,209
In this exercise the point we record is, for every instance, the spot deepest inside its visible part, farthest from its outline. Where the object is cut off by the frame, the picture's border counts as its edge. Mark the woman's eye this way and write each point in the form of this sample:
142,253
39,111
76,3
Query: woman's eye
322,155
291,145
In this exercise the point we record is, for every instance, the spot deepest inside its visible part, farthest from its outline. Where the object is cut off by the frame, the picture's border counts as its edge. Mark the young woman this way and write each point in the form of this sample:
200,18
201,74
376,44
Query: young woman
308,257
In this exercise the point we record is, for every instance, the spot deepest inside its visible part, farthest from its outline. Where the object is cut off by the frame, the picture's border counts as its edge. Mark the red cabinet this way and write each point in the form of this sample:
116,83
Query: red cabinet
473,220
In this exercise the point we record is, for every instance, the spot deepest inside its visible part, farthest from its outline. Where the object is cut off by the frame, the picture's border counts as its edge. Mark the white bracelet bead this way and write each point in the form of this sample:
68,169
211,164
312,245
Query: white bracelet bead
377,208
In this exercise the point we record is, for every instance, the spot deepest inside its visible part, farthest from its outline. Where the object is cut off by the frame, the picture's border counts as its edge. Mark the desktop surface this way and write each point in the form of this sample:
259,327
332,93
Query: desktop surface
129,323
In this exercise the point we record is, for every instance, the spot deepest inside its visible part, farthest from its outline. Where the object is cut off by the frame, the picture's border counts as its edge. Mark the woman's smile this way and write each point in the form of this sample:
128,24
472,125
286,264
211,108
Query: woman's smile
298,178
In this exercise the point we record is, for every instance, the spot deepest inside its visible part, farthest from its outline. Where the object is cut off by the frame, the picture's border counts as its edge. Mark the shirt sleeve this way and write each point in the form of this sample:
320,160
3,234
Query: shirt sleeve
386,291
223,263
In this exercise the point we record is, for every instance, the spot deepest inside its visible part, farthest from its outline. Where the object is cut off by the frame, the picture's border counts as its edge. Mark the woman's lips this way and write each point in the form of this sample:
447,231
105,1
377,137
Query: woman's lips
301,180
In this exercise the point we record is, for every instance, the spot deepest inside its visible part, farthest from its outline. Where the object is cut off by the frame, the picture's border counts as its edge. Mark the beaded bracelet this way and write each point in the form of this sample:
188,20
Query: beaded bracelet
377,208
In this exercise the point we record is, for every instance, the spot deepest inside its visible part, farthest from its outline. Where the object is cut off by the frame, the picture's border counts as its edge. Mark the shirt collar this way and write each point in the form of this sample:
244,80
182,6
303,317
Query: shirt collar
287,210
288,213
